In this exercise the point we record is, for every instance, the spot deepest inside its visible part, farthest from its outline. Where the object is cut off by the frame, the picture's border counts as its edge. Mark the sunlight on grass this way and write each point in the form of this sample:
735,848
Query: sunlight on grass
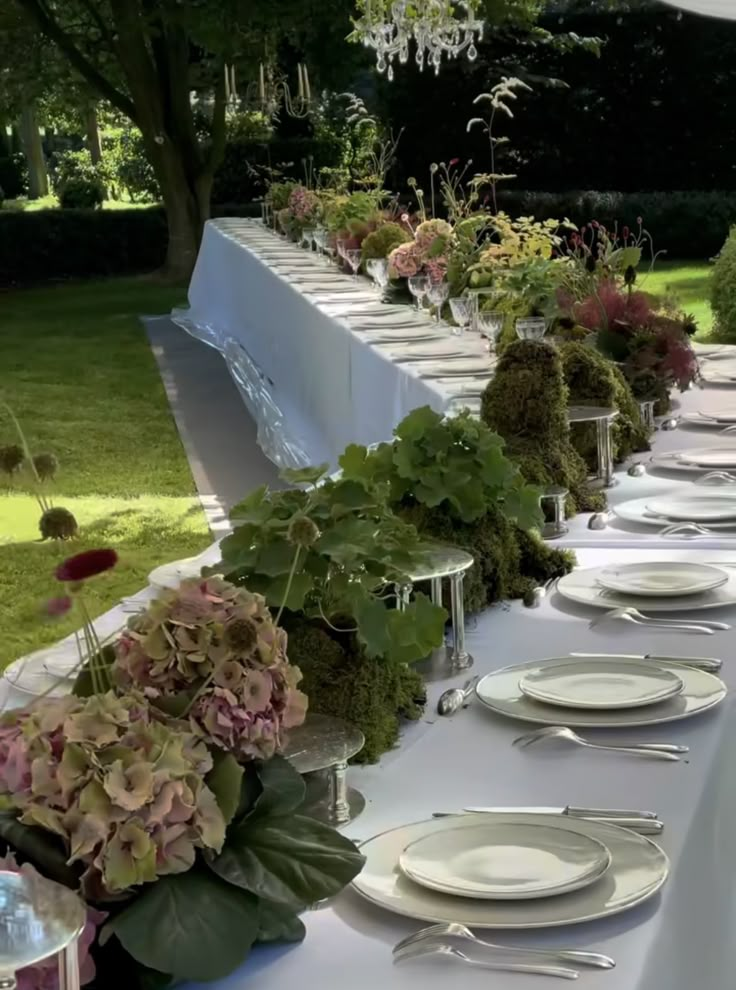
688,284
50,202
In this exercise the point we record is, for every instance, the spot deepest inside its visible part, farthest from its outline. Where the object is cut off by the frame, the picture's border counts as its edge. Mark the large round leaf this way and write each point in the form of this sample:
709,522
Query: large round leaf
291,860
192,925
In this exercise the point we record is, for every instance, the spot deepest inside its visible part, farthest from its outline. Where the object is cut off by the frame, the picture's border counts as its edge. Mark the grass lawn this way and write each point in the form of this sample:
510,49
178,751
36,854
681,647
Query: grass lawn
50,202
79,375
688,282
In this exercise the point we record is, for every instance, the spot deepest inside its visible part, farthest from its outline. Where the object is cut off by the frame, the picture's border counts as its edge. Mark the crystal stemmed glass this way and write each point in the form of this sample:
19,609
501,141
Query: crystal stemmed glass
490,326
418,286
437,295
461,308
354,256
307,238
377,268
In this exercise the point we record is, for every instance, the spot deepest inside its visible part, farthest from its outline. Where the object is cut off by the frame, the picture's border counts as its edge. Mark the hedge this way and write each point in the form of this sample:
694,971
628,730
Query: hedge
684,224
50,245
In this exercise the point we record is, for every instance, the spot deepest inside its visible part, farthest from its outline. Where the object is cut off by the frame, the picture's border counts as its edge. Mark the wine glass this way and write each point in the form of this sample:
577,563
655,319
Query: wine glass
490,326
418,286
461,308
377,268
354,256
437,294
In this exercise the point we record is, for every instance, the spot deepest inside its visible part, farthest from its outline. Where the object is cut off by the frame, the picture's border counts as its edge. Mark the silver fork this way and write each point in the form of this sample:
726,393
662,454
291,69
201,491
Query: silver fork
456,930
656,751
706,623
443,949
634,617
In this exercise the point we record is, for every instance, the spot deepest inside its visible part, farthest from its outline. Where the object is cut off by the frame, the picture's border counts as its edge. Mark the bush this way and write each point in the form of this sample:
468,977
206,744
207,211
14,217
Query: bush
127,166
81,192
13,176
60,244
723,290
684,224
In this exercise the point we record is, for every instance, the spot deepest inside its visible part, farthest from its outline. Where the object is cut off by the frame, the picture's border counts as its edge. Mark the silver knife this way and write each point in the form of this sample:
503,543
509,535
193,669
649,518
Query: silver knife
643,822
708,664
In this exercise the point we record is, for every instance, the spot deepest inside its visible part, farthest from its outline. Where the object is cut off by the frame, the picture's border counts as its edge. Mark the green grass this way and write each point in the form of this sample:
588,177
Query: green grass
80,376
688,283
50,202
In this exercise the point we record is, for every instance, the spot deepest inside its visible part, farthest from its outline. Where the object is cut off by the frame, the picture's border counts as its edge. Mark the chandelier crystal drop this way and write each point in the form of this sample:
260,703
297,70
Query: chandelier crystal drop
437,27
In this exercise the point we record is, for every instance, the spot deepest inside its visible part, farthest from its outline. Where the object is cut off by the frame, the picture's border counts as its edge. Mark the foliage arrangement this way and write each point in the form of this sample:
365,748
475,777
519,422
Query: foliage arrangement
425,253
451,479
526,403
180,831
382,241
593,380
723,289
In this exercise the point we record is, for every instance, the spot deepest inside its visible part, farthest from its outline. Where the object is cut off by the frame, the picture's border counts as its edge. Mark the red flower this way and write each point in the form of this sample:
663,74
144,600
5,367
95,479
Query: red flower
86,565
56,607
625,232
454,161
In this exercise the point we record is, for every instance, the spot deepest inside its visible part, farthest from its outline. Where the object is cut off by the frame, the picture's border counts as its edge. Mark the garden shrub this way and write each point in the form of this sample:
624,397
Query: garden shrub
684,224
526,403
375,695
13,176
127,166
723,289
380,243
81,192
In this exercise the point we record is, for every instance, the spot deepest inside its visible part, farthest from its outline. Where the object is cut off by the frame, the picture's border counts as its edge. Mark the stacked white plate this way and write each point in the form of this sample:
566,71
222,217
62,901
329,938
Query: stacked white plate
698,460
715,509
510,870
719,420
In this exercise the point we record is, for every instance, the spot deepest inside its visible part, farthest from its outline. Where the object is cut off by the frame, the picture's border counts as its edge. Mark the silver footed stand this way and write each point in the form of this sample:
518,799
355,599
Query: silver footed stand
320,749
603,419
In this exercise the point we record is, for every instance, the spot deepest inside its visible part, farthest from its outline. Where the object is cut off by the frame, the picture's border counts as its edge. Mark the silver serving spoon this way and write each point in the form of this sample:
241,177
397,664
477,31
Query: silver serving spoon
656,751
454,699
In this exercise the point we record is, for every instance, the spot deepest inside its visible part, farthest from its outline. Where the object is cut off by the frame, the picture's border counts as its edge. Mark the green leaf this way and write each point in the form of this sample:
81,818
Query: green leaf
354,461
351,495
192,925
174,704
372,618
417,630
419,420
44,850
293,860
275,558
300,587
283,788
149,979
83,686
305,476
279,924
225,780
349,539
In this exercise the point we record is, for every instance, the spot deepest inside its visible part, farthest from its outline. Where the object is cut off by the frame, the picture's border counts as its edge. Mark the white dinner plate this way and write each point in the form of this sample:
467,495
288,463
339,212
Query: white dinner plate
608,685
698,419
725,416
673,462
714,458
171,575
505,861
500,692
638,870
719,372
637,511
662,578
583,585
710,508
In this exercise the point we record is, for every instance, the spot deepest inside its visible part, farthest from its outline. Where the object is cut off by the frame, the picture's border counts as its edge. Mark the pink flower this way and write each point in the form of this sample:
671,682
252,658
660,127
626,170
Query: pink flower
86,565
454,161
58,606
404,260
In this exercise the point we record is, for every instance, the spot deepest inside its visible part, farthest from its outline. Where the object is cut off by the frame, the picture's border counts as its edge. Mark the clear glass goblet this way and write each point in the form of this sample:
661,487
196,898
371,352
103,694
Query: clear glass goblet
307,238
377,268
461,308
490,326
418,286
532,328
354,256
437,295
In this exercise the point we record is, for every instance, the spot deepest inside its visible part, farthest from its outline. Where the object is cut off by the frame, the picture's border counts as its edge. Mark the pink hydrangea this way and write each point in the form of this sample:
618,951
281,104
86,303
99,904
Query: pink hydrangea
304,205
44,975
436,268
404,261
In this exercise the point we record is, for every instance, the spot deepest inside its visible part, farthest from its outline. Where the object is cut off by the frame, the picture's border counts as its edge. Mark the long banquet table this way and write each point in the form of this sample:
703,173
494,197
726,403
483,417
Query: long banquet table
682,938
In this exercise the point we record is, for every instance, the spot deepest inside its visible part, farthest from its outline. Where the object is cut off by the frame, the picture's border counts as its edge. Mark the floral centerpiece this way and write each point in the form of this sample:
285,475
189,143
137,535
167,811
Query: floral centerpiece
156,791
303,210
425,254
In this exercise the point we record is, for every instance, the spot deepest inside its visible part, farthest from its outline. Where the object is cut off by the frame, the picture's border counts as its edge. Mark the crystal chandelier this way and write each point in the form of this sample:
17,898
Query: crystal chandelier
270,92
438,27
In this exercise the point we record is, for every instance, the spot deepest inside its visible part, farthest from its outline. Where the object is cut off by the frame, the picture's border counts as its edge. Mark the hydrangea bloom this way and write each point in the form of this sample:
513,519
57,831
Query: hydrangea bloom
124,790
404,261
429,231
44,975
218,645
304,205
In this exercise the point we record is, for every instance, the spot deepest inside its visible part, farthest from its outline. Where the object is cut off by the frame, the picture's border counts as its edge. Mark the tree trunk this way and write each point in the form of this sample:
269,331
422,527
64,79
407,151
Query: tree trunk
93,134
38,182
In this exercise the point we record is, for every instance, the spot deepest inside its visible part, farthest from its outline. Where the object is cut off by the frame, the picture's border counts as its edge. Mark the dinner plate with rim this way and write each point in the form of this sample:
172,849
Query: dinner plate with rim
505,861
673,462
637,510
583,586
718,507
713,457
638,870
698,419
719,417
607,685
662,578
499,691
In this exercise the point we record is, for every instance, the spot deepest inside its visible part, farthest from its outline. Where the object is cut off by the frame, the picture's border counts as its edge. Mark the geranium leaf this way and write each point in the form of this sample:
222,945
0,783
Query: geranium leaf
372,618
291,860
282,788
224,780
275,558
305,476
417,630
274,590
192,925
279,924
353,461
413,426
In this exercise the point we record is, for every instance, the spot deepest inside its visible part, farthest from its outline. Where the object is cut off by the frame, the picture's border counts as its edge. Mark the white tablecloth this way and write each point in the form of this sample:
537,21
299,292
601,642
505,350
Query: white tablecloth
311,381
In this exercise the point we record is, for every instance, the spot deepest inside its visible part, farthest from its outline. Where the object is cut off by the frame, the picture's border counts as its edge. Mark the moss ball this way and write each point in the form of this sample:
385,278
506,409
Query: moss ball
11,458
58,524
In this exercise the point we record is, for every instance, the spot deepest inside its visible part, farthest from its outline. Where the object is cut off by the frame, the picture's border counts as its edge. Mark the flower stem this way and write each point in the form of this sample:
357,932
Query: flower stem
292,572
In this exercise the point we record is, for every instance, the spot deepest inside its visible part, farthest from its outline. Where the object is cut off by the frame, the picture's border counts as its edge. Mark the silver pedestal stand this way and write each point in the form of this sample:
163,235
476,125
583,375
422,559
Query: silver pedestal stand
38,919
322,747
603,419
443,562
555,496
646,411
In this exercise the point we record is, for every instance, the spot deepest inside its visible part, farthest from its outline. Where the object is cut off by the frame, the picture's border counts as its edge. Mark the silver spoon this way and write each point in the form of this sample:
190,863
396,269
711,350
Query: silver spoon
418,950
637,619
454,699
540,593
656,751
